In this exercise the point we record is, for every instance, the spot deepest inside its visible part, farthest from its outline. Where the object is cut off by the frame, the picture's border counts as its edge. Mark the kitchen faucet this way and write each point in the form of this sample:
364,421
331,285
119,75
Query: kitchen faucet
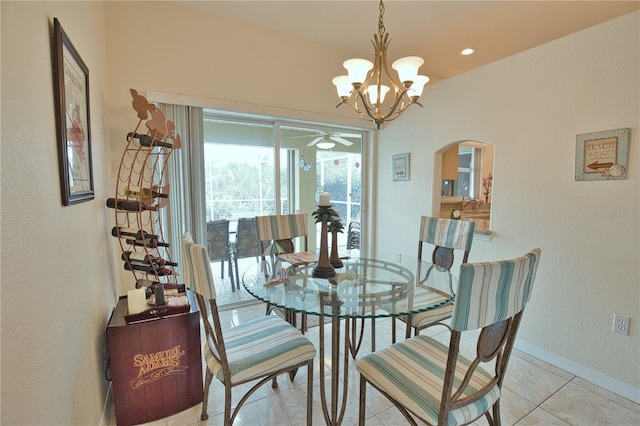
476,204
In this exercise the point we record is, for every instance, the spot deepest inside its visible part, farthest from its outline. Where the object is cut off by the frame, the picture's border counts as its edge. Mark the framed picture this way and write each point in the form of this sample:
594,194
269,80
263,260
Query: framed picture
400,167
602,155
71,86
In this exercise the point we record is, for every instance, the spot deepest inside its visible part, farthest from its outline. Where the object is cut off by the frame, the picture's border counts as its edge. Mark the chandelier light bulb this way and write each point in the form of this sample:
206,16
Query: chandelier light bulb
343,85
373,93
418,85
358,70
407,68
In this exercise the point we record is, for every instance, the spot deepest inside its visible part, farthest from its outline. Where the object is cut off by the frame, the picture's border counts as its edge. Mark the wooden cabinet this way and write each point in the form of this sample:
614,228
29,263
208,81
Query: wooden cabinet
450,163
155,365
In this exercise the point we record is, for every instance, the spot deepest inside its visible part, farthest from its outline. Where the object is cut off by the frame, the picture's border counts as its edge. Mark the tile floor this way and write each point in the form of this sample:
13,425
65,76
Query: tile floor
534,393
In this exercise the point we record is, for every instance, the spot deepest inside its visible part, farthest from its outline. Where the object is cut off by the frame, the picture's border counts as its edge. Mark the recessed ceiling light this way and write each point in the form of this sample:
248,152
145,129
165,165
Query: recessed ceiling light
467,51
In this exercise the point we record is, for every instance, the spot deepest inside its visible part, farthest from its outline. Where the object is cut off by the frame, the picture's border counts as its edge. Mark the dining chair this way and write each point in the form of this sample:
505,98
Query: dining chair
434,382
218,246
246,244
445,235
281,230
260,349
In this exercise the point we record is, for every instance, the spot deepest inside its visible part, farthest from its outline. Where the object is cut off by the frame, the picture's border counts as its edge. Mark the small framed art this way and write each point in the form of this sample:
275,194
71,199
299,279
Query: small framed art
400,167
602,155
71,90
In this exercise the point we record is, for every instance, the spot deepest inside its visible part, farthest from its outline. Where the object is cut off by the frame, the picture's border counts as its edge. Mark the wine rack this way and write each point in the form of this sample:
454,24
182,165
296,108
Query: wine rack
142,192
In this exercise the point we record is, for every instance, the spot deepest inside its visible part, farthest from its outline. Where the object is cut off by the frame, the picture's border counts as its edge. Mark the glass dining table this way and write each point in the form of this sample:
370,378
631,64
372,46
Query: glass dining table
379,285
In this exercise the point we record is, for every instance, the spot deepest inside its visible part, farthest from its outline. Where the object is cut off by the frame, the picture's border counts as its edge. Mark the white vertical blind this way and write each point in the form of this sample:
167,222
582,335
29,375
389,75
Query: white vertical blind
186,209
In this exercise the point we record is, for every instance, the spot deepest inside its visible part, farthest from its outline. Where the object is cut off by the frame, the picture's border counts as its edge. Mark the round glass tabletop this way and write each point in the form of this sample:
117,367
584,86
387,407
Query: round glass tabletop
381,285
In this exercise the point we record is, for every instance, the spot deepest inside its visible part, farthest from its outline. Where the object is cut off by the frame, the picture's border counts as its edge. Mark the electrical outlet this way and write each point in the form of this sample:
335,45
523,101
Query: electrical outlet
621,324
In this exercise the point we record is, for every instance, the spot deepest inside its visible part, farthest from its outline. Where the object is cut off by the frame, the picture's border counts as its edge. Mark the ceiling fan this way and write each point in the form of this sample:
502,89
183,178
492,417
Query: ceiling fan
326,140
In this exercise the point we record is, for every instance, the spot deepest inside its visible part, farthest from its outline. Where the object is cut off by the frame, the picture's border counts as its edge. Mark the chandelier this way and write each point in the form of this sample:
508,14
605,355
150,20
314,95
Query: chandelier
365,91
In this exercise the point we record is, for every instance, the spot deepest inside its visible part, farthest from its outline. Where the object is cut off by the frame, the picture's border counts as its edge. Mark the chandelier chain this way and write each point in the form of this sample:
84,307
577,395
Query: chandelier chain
381,29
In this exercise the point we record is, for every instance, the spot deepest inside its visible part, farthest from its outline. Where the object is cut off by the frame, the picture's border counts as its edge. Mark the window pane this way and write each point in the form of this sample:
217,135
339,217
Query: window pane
341,178
464,158
464,184
239,169
322,161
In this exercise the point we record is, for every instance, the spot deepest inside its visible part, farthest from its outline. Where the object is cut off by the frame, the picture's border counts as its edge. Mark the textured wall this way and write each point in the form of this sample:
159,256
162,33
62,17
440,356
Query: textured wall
530,107
57,285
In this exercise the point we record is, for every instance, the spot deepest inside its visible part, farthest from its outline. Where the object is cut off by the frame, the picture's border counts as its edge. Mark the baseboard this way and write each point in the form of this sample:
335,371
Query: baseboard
593,376
106,409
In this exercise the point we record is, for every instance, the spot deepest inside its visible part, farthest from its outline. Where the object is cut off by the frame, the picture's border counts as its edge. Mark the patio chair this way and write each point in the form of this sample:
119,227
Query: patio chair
218,245
353,236
246,244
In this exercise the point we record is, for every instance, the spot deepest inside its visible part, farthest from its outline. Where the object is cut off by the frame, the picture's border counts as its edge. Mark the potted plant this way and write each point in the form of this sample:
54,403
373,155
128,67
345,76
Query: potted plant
486,186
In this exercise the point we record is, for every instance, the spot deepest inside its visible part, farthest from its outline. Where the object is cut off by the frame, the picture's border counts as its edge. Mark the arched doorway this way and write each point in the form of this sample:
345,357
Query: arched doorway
466,182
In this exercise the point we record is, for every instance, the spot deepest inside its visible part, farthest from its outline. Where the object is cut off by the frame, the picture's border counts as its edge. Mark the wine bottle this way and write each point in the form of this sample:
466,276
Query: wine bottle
145,193
138,234
142,282
148,242
146,258
148,141
137,267
129,205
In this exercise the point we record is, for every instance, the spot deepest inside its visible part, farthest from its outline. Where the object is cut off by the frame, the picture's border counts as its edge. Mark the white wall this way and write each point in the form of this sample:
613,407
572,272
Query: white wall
531,106
57,284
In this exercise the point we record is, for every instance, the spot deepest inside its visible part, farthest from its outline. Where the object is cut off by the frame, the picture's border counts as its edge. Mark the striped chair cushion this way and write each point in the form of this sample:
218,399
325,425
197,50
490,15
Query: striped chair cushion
434,315
282,227
196,268
489,292
455,234
261,346
412,373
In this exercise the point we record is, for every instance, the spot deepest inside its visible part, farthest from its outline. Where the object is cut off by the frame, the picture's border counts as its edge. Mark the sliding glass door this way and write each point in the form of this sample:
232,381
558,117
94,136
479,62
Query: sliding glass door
254,168
327,161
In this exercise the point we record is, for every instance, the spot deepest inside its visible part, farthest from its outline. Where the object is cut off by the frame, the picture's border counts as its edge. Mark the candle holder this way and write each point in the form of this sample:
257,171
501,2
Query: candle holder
334,227
323,268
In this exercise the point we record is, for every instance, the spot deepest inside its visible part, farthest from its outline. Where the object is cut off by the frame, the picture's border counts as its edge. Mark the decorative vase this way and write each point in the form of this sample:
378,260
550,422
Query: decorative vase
323,268
486,198
335,259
